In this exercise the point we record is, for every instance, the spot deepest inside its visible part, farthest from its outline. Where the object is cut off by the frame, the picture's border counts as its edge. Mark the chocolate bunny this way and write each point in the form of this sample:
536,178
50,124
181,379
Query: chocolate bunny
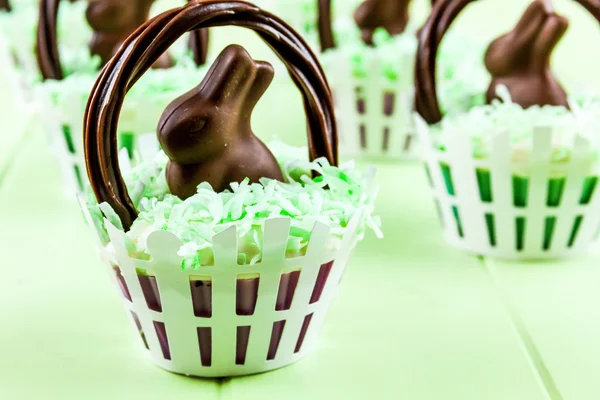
392,15
5,5
206,132
520,59
113,21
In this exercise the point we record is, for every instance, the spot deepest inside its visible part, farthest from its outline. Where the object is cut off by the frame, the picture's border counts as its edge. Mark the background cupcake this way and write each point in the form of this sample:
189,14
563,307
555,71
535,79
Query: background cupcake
179,235
70,71
515,178
370,65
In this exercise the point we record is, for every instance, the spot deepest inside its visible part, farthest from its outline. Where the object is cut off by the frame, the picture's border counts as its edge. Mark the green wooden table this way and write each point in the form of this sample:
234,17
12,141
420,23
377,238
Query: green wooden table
414,319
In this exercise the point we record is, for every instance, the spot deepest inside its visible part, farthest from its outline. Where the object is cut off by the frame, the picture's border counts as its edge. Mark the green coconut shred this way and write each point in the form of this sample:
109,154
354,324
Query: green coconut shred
503,116
332,197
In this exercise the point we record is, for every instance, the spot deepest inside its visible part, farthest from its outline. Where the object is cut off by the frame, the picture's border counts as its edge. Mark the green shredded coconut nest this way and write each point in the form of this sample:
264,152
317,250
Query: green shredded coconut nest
333,198
482,123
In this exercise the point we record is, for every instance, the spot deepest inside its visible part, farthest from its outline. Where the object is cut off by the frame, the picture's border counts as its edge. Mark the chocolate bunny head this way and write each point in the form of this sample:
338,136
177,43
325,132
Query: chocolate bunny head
206,132
392,15
520,59
113,21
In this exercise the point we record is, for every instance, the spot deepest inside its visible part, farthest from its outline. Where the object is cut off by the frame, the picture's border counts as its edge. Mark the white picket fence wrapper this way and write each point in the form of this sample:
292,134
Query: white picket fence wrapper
555,220
185,335
374,114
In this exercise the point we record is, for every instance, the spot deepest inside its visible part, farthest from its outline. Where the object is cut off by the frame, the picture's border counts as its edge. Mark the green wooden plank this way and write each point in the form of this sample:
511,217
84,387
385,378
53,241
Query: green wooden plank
64,334
558,304
414,319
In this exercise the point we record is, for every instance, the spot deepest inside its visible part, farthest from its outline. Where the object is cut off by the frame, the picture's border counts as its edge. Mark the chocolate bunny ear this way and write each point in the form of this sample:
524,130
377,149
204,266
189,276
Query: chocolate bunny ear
515,47
552,33
520,59
207,132
392,15
113,21
233,75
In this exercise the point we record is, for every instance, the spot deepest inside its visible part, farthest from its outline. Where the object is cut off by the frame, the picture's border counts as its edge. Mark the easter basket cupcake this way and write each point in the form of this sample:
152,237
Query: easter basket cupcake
515,178
63,94
222,278
370,64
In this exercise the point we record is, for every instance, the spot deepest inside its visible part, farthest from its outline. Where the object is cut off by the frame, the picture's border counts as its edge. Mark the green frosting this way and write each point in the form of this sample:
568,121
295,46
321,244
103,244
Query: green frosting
333,198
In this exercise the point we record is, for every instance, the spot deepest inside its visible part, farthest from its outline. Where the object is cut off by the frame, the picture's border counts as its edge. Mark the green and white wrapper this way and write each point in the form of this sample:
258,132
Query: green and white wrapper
229,315
527,198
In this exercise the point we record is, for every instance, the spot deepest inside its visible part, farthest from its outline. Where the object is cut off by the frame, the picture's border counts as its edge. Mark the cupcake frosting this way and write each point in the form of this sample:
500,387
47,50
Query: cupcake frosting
332,198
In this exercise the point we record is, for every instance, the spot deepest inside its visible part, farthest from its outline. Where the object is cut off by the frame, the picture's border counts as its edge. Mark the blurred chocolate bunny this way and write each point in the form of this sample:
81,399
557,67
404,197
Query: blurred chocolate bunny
206,132
113,21
520,59
5,5
392,15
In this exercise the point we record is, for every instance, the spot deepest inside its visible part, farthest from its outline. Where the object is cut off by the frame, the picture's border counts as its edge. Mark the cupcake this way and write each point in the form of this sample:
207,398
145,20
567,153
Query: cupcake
370,63
514,178
226,253
69,74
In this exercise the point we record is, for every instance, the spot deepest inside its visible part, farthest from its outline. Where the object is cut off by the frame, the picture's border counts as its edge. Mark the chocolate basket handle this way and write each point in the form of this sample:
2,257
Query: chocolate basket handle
46,45
430,37
325,25
144,47
5,5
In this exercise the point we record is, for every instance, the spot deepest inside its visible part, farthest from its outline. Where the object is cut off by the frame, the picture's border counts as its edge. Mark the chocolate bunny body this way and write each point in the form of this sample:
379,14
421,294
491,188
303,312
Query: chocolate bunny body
520,59
207,134
392,15
113,21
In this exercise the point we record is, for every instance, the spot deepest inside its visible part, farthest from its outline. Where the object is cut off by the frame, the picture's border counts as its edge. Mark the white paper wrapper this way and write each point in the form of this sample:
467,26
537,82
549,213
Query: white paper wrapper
518,210
374,113
228,319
